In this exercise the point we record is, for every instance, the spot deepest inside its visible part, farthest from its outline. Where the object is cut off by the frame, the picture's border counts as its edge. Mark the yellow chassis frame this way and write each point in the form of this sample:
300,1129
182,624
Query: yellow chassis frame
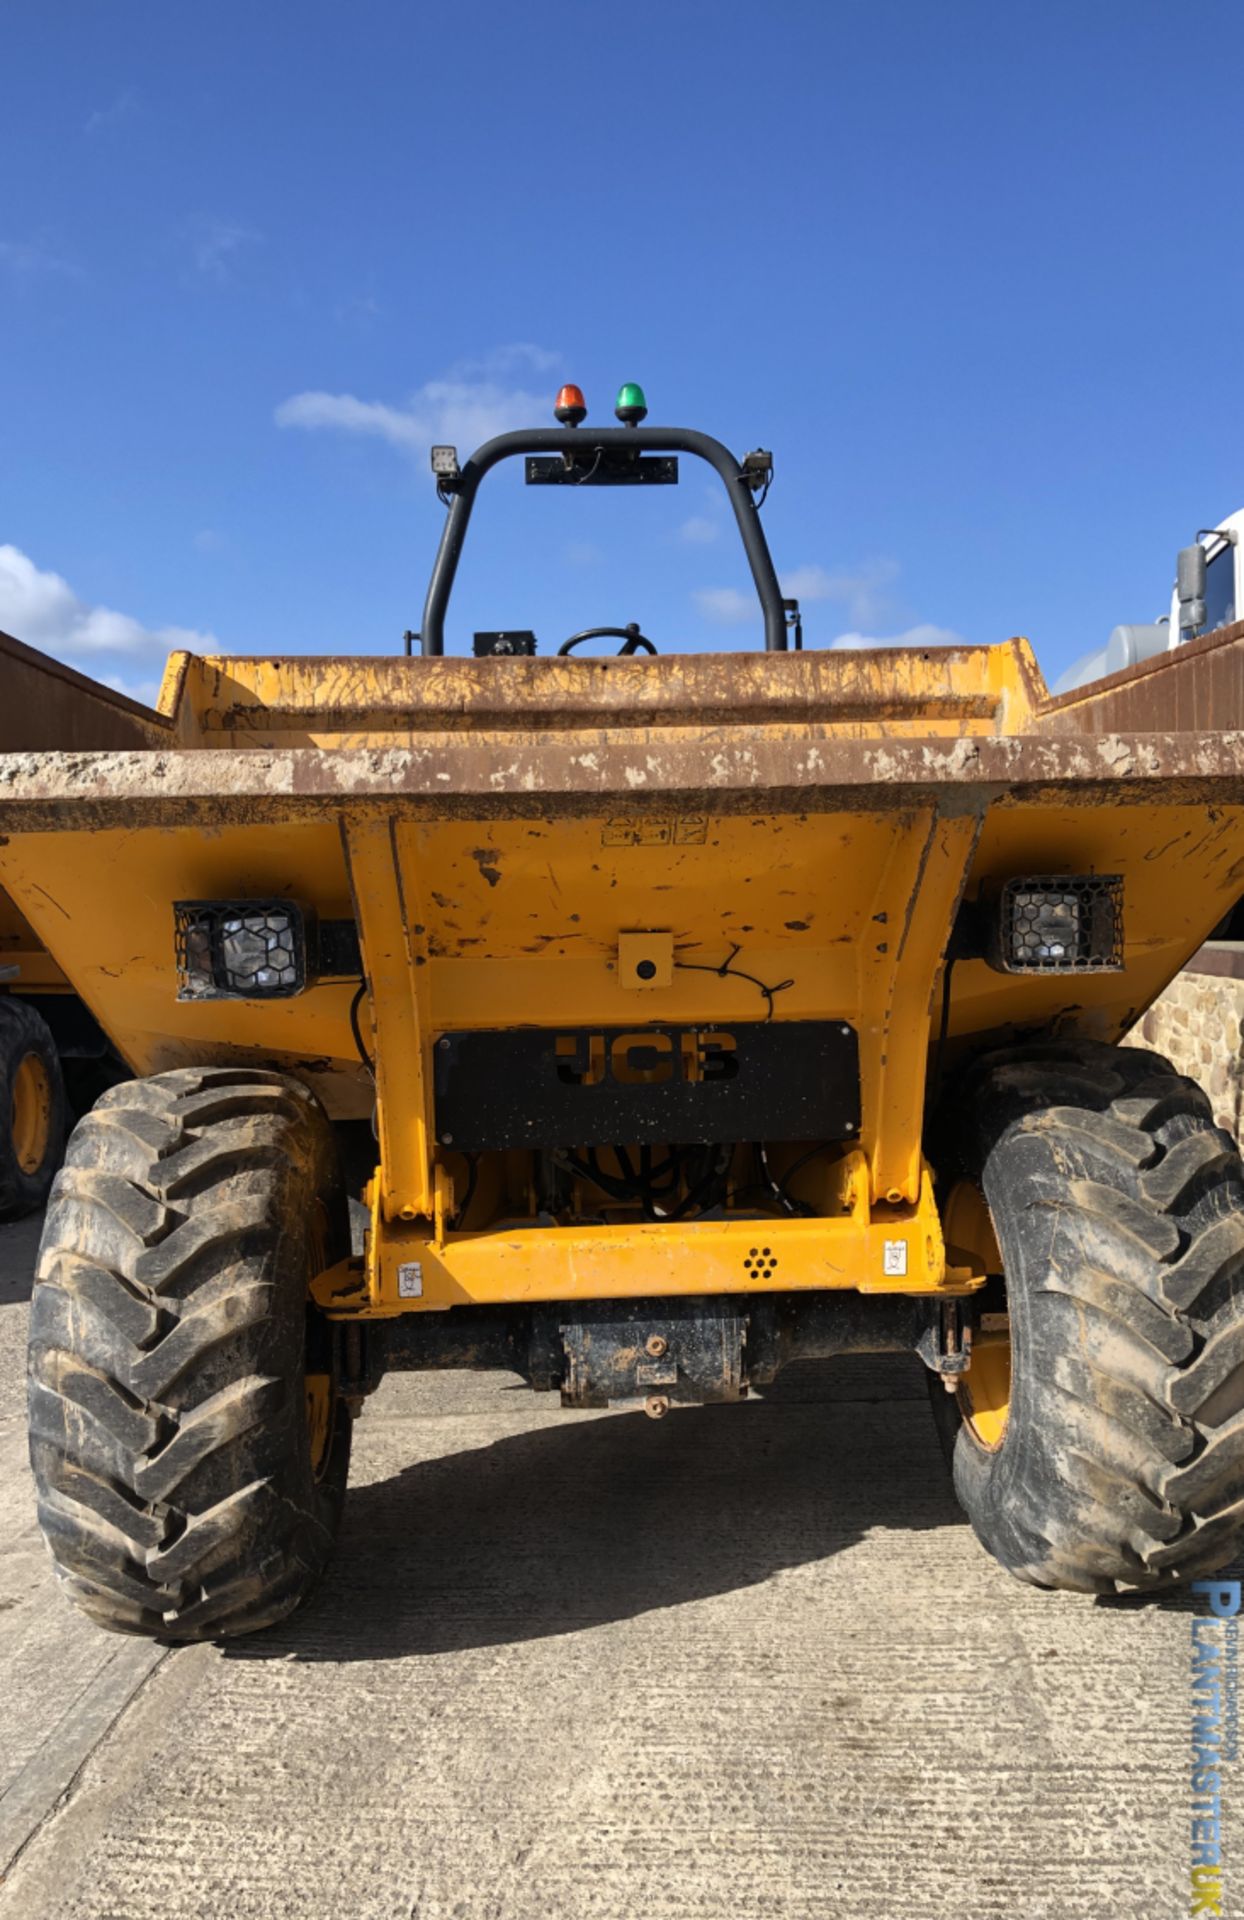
889,1249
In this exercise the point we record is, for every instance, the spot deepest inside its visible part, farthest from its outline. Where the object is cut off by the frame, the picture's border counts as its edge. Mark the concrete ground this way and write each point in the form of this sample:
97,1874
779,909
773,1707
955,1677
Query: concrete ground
741,1662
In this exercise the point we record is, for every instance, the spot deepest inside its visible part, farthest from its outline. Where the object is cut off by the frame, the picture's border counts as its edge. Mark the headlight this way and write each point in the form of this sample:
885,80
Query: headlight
1060,923
240,949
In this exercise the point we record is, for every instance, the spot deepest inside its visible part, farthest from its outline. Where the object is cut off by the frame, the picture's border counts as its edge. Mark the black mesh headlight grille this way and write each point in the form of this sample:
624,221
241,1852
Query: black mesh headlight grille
1060,923
240,949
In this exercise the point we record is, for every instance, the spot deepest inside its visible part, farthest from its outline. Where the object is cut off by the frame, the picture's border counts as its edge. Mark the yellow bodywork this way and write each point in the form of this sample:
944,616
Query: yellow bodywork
500,830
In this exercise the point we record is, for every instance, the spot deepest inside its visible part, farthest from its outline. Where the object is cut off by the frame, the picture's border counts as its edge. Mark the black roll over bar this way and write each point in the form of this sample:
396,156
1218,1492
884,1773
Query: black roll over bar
605,457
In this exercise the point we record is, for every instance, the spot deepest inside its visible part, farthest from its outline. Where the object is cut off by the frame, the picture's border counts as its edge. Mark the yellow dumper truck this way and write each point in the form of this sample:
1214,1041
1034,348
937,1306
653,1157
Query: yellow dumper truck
53,1054
710,1012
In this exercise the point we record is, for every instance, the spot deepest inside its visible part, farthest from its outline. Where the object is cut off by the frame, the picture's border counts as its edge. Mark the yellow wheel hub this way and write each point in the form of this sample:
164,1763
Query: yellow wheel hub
30,1121
984,1393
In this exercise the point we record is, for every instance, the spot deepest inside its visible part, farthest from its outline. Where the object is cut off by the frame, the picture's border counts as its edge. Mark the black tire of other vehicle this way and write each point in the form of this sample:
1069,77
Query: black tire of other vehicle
180,1487
33,1112
1118,1206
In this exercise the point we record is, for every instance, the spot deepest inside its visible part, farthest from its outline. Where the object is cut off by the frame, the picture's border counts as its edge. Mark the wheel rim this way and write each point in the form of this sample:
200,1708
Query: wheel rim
984,1392
30,1121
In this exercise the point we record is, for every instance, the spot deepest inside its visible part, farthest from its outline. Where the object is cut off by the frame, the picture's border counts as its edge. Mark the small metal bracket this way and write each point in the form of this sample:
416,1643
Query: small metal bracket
945,1346
519,643
645,959
601,467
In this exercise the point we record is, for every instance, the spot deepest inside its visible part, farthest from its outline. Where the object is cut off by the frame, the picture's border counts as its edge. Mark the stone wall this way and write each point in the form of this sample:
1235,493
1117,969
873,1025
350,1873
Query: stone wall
1198,1023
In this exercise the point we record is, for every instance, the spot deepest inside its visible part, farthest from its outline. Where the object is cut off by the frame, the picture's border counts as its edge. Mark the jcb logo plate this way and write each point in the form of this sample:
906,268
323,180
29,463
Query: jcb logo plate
591,1086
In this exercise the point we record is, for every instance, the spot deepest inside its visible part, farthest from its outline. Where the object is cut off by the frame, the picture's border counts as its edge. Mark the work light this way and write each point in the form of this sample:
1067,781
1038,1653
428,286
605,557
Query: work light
1060,923
240,949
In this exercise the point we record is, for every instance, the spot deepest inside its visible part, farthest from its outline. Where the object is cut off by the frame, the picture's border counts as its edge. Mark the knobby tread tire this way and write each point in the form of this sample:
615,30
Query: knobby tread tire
1119,1210
168,1339
24,1031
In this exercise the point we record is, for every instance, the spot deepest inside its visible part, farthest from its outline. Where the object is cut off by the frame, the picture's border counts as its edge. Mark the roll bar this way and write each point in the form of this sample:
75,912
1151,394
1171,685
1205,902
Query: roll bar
582,446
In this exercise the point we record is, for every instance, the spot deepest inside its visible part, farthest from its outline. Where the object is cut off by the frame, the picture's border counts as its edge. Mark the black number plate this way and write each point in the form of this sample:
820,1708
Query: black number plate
589,1086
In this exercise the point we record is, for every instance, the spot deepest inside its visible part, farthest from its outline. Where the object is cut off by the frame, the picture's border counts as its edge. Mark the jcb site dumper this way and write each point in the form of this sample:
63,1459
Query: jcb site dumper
710,1012
54,1058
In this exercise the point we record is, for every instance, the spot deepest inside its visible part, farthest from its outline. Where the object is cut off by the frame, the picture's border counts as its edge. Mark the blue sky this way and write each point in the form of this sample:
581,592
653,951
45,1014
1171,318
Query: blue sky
972,272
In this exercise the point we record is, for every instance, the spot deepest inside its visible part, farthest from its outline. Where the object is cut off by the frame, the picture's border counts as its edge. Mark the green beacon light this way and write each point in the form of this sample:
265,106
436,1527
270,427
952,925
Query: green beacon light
630,407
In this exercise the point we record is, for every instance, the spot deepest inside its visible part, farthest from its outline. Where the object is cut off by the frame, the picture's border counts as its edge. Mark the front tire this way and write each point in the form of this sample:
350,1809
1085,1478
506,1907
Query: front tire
189,1447
1118,1208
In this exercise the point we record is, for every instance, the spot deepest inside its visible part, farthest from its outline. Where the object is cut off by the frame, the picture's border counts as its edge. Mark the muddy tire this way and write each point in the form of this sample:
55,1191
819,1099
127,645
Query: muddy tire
1118,1207
184,1489
32,1108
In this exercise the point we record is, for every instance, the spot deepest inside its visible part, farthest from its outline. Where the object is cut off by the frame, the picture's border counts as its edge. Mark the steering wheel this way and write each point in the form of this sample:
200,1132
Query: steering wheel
631,637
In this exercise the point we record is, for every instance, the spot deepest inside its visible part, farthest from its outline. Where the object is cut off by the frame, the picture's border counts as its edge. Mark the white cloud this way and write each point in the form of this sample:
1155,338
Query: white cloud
351,415
455,412
726,606
808,583
473,401
207,540
146,691
361,310
216,244
43,610
924,634
499,361
121,109
862,590
25,261
699,531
